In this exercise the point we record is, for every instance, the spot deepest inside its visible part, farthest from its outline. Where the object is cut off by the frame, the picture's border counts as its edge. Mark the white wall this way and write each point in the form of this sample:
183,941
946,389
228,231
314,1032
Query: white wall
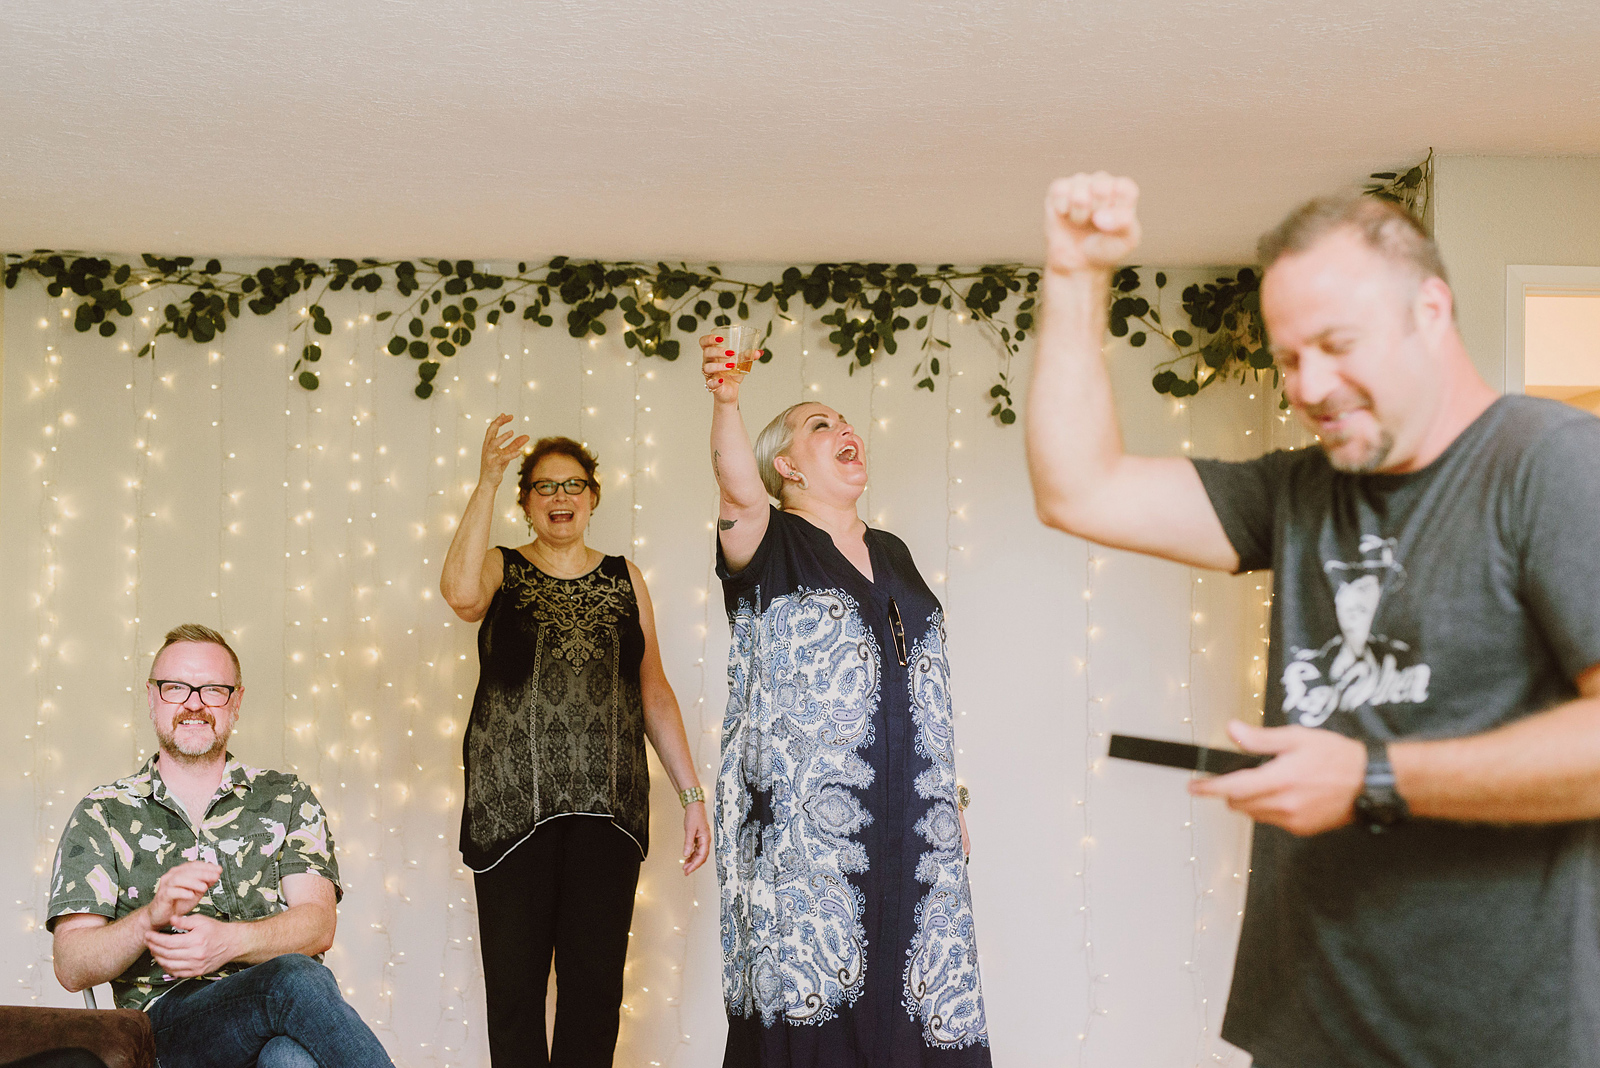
202,485
1491,212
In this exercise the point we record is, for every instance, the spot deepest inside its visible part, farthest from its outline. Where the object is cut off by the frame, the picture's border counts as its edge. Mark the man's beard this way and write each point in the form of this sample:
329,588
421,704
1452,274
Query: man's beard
192,752
1370,461
1363,465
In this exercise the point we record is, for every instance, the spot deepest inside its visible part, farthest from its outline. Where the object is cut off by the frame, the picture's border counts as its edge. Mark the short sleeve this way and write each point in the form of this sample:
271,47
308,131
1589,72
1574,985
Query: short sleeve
86,876
1558,508
308,844
754,573
1245,496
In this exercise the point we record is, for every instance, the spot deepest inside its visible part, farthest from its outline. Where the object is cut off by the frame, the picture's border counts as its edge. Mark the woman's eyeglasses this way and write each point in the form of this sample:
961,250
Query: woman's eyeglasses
545,487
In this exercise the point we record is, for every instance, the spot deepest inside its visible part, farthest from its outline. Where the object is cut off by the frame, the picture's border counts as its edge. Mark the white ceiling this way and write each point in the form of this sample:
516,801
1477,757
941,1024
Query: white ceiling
745,131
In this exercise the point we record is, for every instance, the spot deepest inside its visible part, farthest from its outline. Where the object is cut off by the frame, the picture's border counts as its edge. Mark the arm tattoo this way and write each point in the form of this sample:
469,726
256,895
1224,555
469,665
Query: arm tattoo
716,468
726,524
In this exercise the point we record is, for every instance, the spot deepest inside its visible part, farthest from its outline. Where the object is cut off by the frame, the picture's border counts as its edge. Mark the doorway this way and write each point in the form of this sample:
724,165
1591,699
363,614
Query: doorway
1553,334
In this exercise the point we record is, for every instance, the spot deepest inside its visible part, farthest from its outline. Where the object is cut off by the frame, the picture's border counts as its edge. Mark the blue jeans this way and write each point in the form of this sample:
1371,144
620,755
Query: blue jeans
284,1013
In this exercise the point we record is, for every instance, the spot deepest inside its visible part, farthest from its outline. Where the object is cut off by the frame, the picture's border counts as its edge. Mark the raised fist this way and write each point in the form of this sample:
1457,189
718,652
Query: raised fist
1091,222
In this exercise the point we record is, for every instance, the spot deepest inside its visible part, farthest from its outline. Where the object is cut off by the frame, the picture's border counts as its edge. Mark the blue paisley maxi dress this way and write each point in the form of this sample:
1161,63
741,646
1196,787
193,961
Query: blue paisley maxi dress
847,928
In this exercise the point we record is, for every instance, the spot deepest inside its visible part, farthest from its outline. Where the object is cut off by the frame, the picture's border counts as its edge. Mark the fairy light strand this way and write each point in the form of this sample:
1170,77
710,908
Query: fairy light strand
1091,735
47,518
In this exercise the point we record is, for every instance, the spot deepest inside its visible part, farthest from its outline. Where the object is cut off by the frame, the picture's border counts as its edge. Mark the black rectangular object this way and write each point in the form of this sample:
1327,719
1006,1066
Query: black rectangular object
1199,758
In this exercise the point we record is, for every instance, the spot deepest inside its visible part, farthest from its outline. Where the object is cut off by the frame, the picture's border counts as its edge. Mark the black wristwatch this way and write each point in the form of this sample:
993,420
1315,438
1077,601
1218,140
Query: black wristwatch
1379,805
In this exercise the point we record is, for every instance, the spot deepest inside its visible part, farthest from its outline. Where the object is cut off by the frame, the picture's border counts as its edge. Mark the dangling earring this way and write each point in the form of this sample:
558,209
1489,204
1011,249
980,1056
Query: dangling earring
529,518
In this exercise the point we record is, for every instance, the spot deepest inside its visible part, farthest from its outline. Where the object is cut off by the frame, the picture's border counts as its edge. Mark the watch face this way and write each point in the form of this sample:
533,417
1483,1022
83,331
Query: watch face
1379,811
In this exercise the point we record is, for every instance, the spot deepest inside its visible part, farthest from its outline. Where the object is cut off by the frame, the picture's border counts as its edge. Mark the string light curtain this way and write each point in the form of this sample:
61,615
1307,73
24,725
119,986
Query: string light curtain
203,485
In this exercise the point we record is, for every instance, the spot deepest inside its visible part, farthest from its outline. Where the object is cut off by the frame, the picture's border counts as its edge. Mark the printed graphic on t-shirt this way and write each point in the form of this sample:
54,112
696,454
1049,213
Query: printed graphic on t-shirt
1357,667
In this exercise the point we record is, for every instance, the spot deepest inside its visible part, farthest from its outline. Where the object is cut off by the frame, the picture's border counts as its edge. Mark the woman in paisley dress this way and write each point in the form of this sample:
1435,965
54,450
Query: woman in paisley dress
847,928
570,684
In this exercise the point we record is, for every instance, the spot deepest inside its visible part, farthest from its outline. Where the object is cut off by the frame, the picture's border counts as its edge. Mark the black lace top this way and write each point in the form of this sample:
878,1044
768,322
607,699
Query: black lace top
557,722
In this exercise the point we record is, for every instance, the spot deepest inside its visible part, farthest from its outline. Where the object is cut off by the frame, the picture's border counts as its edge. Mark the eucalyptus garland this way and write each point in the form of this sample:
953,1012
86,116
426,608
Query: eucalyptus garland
450,302
1226,337
872,306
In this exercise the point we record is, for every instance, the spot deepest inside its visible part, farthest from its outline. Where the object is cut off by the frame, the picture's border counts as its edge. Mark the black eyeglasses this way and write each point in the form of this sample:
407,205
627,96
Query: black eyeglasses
214,694
898,630
546,487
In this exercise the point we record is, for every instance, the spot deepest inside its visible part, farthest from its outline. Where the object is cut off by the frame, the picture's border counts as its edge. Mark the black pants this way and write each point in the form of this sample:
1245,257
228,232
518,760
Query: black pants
568,891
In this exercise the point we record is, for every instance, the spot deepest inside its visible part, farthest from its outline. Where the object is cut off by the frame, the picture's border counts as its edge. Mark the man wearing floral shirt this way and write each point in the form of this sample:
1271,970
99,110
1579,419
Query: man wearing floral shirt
204,890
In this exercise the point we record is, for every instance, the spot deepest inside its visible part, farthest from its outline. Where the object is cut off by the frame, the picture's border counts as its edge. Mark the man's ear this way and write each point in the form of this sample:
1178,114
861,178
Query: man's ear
1434,306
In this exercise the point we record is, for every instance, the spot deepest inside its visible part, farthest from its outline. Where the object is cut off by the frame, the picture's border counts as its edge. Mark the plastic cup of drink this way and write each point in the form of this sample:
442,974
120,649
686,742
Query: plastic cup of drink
743,347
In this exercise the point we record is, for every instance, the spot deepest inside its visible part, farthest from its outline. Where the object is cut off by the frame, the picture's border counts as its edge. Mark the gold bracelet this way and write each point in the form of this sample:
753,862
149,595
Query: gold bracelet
691,795
963,798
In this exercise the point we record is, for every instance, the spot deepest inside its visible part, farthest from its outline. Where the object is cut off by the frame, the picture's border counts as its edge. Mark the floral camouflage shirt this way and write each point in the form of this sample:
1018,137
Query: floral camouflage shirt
260,826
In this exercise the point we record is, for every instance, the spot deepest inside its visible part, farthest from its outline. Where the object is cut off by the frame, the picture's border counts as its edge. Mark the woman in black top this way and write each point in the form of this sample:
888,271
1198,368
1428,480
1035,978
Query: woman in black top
847,924
570,684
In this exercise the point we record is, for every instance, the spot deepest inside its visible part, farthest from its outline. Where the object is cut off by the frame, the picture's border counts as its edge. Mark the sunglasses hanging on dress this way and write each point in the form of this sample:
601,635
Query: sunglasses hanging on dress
897,629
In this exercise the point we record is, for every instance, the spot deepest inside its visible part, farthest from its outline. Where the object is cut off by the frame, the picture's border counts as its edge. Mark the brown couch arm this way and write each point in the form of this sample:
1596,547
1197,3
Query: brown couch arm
120,1037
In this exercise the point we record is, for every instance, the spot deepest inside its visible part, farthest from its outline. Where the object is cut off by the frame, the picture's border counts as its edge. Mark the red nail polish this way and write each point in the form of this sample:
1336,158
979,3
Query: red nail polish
719,381
719,341
729,366
730,352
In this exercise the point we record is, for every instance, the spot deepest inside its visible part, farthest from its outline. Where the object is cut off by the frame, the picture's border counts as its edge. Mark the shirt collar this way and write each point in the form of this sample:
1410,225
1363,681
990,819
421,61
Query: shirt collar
236,777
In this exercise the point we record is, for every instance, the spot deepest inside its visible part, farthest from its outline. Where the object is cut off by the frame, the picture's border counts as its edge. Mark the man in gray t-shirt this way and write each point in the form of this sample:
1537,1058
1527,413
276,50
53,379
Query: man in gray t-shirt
1425,887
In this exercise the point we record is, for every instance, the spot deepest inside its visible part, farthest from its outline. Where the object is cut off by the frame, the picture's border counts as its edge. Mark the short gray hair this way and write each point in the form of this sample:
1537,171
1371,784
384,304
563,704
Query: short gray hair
1383,226
774,440
198,632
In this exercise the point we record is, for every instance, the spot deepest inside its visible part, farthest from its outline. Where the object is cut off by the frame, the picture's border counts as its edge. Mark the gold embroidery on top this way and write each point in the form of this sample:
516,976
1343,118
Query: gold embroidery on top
584,612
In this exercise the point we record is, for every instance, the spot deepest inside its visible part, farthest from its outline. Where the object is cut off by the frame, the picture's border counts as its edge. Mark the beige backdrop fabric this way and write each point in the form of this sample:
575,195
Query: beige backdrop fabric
203,485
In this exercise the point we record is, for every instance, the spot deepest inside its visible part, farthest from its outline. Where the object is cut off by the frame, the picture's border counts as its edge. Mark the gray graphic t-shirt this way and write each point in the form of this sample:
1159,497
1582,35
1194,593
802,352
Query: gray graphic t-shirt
1436,604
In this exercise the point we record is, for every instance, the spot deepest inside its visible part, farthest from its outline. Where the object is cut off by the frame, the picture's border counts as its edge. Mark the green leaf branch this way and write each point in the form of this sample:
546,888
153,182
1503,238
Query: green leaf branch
448,303
1225,337
1412,189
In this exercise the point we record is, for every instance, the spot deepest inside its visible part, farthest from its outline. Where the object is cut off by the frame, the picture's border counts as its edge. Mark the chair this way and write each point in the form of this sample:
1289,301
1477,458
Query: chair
120,1037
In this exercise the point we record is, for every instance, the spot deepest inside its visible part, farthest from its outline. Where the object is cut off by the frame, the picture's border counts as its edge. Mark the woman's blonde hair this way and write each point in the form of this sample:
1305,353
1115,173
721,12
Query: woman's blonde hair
773,441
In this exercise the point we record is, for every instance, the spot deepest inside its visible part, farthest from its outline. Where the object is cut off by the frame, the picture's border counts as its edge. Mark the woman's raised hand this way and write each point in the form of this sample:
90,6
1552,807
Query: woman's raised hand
717,362
498,451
